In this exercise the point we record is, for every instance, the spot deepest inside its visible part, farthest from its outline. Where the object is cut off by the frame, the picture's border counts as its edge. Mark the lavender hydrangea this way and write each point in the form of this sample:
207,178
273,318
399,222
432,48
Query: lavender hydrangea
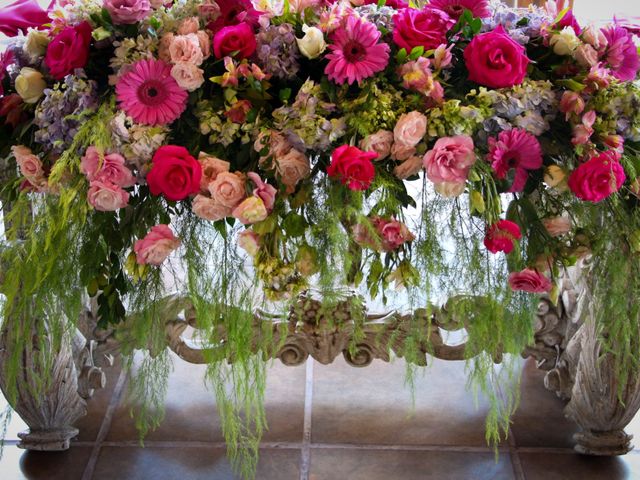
522,25
63,110
278,52
379,16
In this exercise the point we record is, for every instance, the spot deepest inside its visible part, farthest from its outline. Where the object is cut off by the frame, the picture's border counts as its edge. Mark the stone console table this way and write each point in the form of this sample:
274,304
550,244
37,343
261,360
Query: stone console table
566,346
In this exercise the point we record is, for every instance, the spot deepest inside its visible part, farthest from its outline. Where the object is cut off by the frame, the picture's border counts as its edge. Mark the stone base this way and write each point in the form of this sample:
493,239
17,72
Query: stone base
47,440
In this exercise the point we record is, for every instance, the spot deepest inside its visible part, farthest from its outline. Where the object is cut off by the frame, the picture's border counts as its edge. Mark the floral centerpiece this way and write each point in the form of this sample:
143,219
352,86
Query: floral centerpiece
453,146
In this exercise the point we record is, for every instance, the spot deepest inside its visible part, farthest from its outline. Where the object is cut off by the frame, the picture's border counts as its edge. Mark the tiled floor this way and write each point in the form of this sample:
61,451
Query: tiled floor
327,423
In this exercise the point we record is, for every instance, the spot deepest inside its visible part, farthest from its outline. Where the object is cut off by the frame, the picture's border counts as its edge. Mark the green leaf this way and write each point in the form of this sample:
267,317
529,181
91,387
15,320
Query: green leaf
284,95
401,56
571,84
416,52
294,225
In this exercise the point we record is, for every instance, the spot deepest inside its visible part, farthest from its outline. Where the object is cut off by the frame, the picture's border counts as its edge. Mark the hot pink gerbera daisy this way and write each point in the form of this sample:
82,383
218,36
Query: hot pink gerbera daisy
515,150
355,52
455,8
149,94
622,54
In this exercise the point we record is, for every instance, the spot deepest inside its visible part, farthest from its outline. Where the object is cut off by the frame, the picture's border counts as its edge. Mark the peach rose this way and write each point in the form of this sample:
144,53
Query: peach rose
379,142
186,48
156,246
557,226
293,167
208,209
189,25
228,189
188,76
586,55
249,241
30,166
211,167
106,196
163,48
205,43
408,168
251,210
402,152
410,129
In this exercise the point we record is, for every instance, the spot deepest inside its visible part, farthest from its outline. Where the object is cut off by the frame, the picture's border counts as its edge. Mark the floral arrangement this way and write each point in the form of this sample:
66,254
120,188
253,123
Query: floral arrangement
457,145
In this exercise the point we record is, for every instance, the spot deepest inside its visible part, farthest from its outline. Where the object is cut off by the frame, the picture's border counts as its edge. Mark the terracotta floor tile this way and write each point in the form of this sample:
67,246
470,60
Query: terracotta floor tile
191,413
540,421
373,406
359,464
548,466
18,464
189,463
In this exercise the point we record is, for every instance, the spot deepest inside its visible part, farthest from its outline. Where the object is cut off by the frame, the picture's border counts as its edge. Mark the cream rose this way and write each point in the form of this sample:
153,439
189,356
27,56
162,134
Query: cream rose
187,75
565,42
36,44
186,48
450,189
30,84
208,209
410,129
228,189
293,167
379,142
312,45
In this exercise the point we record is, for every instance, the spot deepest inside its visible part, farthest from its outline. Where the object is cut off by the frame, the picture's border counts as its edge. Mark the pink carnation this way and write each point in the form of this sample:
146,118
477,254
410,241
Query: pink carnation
108,168
515,150
355,52
156,246
501,236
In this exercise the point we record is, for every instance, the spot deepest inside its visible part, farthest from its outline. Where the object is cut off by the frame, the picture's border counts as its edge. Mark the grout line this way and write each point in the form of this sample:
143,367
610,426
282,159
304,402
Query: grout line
106,424
516,463
409,448
305,452
194,444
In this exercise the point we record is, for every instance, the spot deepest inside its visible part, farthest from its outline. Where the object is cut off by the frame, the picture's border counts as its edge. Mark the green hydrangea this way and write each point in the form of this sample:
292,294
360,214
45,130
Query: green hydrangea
454,118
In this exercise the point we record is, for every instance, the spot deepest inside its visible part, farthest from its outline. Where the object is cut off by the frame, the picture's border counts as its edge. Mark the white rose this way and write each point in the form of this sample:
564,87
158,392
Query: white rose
36,44
30,84
312,45
565,42
187,75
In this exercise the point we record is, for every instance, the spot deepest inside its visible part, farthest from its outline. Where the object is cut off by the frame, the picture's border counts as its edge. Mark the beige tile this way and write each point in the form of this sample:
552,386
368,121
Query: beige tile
357,464
18,464
189,463
539,421
547,466
191,413
372,405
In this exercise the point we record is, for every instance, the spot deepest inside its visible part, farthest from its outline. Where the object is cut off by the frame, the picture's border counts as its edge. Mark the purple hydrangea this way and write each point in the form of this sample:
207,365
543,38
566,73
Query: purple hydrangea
63,110
522,24
278,52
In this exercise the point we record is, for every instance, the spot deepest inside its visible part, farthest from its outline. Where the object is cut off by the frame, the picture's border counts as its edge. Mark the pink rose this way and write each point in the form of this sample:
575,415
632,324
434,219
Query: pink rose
234,38
127,11
249,241
189,25
450,159
251,210
529,280
427,28
571,102
228,189
495,60
106,196
410,129
379,142
106,168
208,209
408,168
188,76
156,246
30,166
68,50
598,177
186,48
263,190
557,226
211,167
293,166
393,233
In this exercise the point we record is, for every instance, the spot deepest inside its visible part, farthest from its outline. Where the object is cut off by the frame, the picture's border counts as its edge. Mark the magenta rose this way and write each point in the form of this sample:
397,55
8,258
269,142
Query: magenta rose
529,280
495,60
127,11
421,28
598,177
235,38
174,173
353,167
156,246
68,50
